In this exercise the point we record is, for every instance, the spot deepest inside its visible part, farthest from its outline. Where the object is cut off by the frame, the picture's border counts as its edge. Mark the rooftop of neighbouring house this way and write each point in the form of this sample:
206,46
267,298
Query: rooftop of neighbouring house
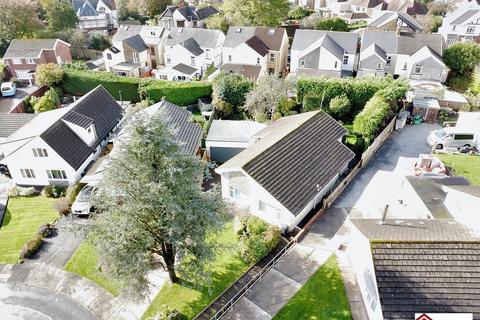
233,130
29,48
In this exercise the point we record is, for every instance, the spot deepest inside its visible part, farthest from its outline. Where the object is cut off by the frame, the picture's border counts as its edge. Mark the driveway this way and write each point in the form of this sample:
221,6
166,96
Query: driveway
379,182
8,103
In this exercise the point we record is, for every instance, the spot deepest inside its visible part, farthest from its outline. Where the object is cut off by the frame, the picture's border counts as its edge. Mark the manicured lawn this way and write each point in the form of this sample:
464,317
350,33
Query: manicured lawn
23,217
322,297
226,268
84,263
463,165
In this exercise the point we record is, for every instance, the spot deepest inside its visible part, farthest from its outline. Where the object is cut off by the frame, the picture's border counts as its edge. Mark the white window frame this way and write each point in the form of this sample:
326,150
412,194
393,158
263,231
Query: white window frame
192,61
345,59
16,61
470,30
109,56
40,152
136,57
207,54
229,58
379,66
169,61
336,64
23,74
51,175
258,60
302,62
272,57
234,193
405,66
415,69
30,61
27,173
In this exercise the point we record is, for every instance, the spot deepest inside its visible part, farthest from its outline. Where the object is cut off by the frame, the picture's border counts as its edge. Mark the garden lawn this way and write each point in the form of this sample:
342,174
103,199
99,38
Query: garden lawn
23,217
350,137
463,165
322,297
84,263
226,268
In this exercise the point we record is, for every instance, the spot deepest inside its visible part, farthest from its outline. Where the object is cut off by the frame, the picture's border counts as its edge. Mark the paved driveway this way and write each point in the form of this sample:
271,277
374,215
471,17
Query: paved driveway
379,182
7,103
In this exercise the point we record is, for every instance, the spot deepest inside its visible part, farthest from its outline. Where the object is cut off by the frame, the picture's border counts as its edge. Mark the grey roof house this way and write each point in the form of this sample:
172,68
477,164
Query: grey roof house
185,16
415,56
286,173
96,15
394,21
329,53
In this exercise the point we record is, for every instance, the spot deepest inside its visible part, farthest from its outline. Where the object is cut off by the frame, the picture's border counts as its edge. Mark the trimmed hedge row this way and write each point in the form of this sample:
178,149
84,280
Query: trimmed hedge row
358,91
79,82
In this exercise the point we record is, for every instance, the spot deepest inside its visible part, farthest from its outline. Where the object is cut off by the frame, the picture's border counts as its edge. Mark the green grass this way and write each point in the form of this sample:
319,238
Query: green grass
23,217
225,268
463,165
84,263
322,297
350,138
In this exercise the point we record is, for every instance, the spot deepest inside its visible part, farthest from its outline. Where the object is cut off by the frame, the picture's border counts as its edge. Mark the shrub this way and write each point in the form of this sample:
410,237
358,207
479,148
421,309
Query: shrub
48,74
54,191
372,118
181,93
286,105
45,230
332,24
47,102
62,205
16,191
339,108
31,246
72,191
311,102
257,238
298,13
28,105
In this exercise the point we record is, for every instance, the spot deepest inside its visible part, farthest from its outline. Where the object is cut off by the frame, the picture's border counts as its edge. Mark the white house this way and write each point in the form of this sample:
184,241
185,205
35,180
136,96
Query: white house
415,56
136,50
463,202
188,52
96,15
394,21
57,147
288,171
266,48
328,53
185,16
227,138
462,24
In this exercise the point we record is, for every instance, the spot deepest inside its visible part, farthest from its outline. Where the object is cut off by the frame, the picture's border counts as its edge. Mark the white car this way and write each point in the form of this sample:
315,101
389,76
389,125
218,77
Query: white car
452,137
83,203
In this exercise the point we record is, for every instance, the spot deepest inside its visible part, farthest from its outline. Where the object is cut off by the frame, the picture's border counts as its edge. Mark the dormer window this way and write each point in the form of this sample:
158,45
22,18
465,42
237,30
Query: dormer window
418,69
389,60
470,29
101,9
152,33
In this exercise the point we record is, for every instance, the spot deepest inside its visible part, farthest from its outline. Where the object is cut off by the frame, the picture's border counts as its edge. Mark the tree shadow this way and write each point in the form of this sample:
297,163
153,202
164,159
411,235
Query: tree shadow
6,218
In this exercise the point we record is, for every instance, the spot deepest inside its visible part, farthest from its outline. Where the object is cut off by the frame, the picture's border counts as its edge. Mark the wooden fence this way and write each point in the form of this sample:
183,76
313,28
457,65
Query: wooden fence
378,142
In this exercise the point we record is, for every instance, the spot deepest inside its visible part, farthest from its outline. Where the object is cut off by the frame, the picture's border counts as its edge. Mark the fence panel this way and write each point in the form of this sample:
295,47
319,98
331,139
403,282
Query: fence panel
378,142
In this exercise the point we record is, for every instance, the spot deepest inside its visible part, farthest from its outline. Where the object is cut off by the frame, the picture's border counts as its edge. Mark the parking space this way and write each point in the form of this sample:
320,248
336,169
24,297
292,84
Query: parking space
379,182
9,103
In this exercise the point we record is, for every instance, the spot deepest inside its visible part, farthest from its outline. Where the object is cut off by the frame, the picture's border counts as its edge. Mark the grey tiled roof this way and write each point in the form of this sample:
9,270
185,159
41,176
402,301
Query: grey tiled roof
406,18
348,41
206,38
136,43
78,119
248,71
183,68
299,165
464,17
28,48
205,12
471,190
256,44
11,122
191,45
271,37
427,277
126,31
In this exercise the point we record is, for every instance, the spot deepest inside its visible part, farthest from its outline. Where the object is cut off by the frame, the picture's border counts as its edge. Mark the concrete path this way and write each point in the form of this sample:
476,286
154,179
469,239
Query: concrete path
281,283
8,103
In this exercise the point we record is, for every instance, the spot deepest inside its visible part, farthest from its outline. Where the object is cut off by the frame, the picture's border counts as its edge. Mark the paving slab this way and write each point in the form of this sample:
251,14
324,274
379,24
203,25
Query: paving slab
244,309
273,291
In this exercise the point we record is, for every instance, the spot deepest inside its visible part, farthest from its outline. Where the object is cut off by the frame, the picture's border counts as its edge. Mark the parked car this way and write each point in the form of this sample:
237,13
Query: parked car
83,203
8,89
452,137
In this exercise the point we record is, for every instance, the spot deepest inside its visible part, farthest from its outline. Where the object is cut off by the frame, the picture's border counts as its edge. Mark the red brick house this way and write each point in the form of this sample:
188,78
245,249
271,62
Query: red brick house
23,56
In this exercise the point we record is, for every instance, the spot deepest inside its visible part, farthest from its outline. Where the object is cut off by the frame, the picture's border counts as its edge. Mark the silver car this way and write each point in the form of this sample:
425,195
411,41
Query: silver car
83,203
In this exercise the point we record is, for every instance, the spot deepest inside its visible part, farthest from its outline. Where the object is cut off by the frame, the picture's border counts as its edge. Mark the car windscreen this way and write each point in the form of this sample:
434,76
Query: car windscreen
440,133
85,194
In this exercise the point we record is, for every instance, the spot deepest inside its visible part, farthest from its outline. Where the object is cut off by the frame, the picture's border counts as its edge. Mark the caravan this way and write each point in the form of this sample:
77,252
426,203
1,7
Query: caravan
465,133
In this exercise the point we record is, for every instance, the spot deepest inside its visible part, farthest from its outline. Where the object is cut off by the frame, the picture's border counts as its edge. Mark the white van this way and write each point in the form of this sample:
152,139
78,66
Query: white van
452,137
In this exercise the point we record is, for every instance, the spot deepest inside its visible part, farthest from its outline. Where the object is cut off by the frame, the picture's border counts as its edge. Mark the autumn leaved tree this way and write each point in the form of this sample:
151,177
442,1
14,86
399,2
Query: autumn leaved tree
151,209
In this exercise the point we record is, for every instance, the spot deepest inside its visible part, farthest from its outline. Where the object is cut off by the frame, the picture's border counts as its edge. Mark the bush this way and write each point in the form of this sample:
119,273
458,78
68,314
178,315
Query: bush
372,118
49,101
28,105
180,93
298,13
72,191
45,230
54,191
332,24
311,102
339,108
257,238
286,105
31,246
16,191
62,205
48,74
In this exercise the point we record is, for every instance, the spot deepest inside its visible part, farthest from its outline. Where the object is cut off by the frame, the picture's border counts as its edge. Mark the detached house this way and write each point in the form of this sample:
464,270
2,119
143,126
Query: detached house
264,49
289,169
362,8
96,15
462,24
58,146
136,50
328,53
394,21
189,52
185,16
24,55
413,56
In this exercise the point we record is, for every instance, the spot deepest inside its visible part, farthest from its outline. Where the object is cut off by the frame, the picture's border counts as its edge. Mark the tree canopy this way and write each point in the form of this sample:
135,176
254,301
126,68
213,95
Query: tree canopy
268,13
332,24
462,57
49,74
59,15
229,92
18,19
152,210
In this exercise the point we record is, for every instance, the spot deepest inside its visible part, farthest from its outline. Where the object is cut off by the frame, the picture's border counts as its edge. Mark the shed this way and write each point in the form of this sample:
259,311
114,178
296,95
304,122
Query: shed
227,138
428,108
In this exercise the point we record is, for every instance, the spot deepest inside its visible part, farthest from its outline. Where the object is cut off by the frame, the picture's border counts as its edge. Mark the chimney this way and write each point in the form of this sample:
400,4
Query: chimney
181,3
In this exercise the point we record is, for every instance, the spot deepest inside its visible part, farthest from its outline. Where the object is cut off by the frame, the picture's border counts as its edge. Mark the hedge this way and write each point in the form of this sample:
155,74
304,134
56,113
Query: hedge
180,93
79,82
358,90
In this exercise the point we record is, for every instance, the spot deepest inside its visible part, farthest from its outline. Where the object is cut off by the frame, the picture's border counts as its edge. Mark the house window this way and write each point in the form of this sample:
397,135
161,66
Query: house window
229,58
379,66
405,66
262,206
192,61
181,78
418,69
470,29
101,9
169,60
152,33
389,60
57,174
164,77
336,64
258,60
23,74
152,51
234,193
39,152
30,61
27,173
345,59
302,62
207,54
109,56
272,57
17,61
357,9
135,57
453,28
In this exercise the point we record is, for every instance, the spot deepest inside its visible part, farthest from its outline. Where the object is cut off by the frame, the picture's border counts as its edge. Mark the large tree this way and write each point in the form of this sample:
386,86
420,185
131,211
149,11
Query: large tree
332,24
462,57
229,92
152,8
152,210
18,19
255,12
59,15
